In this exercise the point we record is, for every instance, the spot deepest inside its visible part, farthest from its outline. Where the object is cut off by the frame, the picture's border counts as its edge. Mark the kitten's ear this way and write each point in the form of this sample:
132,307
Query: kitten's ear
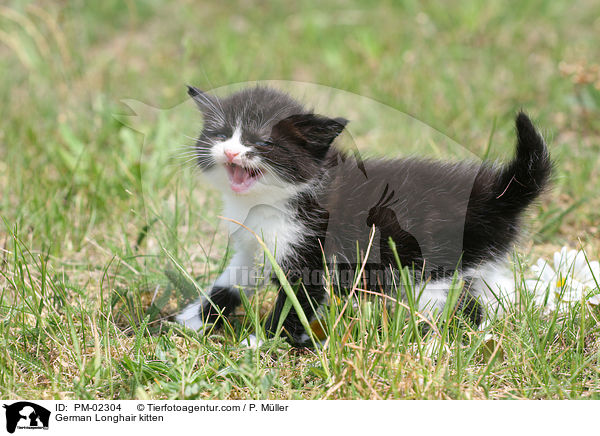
201,98
342,122
316,130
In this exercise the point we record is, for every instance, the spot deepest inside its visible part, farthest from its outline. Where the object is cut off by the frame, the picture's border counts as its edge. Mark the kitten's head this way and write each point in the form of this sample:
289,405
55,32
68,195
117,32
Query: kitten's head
259,137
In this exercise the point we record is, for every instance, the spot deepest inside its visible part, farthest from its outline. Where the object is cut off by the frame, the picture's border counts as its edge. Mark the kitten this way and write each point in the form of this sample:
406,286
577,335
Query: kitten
315,207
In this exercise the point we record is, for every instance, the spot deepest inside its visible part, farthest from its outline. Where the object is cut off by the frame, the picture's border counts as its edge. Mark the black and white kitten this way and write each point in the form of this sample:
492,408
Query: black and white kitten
315,207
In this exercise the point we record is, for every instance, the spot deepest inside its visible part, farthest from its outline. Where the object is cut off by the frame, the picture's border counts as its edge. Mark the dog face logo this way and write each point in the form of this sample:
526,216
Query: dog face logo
26,415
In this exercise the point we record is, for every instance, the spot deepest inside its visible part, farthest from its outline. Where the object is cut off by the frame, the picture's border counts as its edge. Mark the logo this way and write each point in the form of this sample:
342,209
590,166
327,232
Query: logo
26,415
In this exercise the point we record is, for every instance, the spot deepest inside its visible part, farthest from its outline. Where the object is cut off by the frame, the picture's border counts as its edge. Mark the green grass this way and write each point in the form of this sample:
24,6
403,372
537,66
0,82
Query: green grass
105,231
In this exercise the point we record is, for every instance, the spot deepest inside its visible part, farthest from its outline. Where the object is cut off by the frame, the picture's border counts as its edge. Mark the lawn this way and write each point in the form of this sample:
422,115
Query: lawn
106,228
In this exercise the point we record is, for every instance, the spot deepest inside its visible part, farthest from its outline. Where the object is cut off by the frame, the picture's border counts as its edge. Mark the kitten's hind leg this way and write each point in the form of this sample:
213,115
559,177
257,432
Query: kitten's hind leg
431,297
468,306
488,291
493,285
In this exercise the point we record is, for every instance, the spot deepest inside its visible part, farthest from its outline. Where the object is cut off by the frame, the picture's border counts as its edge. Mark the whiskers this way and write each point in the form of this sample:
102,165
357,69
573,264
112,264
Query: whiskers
270,166
196,157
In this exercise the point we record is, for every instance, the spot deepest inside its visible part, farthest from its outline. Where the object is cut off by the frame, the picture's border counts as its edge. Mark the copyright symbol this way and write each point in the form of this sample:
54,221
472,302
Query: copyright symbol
140,407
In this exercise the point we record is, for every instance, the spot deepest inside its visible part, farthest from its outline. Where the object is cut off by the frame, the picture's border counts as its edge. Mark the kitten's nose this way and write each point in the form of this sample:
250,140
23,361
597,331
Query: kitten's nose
231,155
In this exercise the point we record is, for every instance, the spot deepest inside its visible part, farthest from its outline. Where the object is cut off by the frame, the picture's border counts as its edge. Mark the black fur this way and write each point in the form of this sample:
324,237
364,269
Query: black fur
219,305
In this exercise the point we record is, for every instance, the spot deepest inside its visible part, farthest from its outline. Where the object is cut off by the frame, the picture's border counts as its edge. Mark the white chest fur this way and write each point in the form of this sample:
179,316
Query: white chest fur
272,221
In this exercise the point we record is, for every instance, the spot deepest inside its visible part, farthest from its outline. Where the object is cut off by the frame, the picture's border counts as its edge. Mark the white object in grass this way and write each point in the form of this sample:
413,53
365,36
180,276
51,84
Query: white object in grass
572,278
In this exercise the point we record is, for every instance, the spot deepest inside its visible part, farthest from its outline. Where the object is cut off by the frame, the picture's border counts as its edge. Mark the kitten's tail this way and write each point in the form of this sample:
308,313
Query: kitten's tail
520,182
500,195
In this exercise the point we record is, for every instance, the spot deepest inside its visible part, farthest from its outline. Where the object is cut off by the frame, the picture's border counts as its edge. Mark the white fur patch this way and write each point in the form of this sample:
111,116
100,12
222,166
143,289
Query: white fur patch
304,338
432,297
253,342
493,285
190,316
233,145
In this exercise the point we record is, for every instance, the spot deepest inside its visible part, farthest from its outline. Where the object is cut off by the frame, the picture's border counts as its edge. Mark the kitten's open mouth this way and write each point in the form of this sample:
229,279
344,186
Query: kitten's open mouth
241,178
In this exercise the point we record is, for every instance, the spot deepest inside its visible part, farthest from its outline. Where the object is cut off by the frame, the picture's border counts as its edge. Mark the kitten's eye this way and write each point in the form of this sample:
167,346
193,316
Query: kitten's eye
263,143
221,136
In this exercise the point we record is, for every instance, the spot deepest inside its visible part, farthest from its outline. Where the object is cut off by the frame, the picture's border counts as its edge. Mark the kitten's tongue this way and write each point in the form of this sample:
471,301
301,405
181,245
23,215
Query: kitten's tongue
239,175
241,179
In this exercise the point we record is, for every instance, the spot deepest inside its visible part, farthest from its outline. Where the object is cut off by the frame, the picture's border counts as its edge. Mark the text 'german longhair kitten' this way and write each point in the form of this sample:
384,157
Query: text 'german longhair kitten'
315,207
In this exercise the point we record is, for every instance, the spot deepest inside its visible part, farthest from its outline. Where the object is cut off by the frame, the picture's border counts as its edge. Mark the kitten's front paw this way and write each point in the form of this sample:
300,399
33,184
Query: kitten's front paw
191,316
210,311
